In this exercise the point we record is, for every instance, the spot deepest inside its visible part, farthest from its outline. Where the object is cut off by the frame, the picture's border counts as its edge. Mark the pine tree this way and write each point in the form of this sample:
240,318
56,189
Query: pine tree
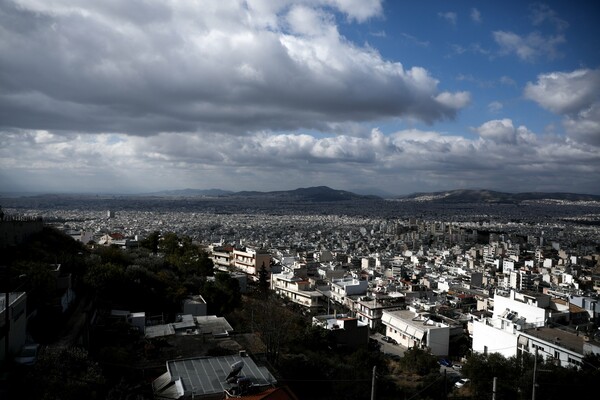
263,281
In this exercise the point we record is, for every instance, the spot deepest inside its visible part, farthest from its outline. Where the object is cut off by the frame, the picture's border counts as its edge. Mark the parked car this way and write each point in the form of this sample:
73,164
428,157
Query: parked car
457,367
461,382
389,340
445,362
28,354
374,344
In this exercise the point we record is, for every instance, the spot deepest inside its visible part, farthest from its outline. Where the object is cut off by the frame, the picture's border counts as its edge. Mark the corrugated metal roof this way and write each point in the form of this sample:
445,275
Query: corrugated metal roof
207,375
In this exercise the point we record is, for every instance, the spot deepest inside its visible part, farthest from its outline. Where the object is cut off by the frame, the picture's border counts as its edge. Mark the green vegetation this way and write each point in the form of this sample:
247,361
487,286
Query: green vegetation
515,377
66,373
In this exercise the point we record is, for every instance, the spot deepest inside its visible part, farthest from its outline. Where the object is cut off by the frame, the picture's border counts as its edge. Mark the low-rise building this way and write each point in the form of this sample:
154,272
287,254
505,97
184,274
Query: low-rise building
566,349
222,257
211,378
369,309
250,260
344,287
296,289
195,305
420,330
513,313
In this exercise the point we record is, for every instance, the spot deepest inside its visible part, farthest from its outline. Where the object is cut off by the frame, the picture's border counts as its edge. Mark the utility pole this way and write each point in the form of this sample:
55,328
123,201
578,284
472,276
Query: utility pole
445,385
494,389
373,383
534,372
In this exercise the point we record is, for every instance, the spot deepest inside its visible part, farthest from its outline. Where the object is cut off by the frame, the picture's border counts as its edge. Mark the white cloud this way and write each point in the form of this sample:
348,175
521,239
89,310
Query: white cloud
495,107
498,131
541,13
565,92
584,127
535,44
359,10
414,40
507,80
502,157
475,15
576,95
449,16
454,100
308,21
530,47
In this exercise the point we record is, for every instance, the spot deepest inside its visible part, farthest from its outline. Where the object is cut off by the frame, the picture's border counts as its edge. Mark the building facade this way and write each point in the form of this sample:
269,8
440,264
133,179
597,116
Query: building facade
296,289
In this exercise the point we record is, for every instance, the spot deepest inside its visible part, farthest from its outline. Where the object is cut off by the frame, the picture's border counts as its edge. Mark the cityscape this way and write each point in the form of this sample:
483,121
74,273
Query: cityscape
299,199
437,273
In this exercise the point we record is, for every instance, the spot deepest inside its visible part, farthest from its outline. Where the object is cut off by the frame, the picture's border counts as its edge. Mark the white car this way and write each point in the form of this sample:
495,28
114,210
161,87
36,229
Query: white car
457,367
461,382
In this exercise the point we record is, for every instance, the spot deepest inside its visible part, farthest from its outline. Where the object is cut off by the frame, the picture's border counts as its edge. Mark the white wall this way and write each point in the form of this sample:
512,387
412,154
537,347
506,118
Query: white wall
532,314
496,340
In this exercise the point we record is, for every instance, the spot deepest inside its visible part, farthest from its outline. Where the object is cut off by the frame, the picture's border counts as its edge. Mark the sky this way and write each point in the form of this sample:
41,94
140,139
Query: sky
371,96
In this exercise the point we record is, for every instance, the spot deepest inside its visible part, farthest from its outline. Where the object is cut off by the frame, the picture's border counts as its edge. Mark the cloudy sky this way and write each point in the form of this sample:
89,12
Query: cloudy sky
364,95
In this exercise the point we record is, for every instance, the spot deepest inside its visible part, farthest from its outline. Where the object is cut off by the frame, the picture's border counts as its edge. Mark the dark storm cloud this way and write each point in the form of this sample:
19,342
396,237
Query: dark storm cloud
144,67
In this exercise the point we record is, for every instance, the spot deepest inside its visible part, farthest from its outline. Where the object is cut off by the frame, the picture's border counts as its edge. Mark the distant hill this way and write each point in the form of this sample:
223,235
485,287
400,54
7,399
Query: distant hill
313,194
191,193
490,196
310,194
327,194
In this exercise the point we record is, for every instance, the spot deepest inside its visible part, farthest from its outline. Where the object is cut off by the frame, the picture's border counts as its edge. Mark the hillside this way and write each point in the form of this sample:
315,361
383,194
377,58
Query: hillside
490,196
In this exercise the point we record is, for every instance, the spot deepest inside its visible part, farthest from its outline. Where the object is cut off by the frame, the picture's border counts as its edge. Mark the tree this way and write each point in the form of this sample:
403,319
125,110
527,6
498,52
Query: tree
273,324
104,278
263,281
419,361
65,373
515,376
113,254
206,267
151,242
222,295
170,246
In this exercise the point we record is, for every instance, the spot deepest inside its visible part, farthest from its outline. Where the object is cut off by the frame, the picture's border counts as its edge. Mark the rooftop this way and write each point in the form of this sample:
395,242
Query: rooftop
568,340
206,376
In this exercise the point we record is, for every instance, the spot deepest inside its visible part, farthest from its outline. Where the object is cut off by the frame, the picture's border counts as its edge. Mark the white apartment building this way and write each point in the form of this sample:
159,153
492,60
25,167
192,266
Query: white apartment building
251,260
222,257
296,289
513,313
420,330
566,349
344,287
370,309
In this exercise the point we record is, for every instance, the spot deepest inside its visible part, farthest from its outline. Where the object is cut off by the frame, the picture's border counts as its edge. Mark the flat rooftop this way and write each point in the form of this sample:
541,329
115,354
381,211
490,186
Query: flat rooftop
208,375
565,339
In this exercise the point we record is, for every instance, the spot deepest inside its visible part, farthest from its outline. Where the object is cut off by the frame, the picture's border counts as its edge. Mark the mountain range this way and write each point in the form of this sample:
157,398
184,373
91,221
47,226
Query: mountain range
324,193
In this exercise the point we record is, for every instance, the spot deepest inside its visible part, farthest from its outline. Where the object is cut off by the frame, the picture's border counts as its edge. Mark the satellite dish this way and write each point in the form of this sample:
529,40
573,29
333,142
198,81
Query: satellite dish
235,369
